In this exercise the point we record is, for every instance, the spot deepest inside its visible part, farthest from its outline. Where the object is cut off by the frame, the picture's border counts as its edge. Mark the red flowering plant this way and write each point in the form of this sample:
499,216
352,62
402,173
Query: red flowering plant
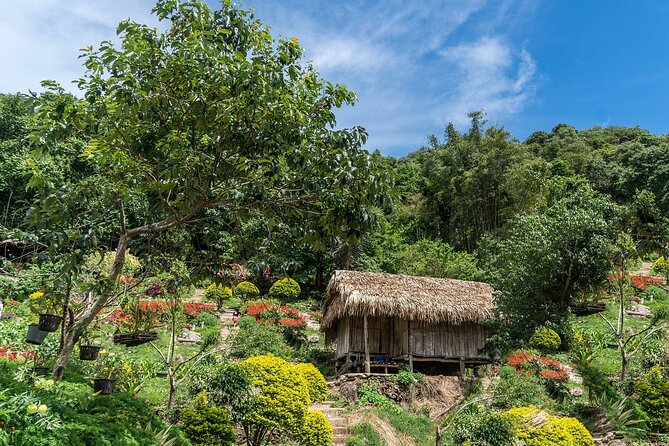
194,309
139,315
550,372
641,282
7,353
290,319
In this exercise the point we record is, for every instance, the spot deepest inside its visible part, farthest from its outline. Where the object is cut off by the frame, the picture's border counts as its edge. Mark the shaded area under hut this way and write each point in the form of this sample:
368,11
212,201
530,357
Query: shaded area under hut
380,321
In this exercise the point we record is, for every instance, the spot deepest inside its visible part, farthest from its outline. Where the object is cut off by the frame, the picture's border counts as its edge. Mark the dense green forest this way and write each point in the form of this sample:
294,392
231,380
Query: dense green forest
208,155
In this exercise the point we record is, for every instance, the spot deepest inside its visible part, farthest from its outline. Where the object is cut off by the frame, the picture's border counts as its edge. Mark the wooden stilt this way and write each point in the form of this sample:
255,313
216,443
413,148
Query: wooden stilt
462,366
410,346
368,367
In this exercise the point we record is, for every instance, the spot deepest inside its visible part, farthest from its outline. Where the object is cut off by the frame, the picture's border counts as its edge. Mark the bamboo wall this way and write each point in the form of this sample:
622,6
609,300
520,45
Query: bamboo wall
390,337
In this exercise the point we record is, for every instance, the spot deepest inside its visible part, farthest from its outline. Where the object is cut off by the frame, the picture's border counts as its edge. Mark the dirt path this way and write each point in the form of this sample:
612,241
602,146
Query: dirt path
644,270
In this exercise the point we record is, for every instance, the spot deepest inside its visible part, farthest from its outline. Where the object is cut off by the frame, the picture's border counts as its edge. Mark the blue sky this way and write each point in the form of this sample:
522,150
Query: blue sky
415,65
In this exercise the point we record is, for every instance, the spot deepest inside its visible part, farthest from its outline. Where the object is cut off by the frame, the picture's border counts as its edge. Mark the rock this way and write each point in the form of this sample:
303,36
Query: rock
349,391
189,337
314,338
576,391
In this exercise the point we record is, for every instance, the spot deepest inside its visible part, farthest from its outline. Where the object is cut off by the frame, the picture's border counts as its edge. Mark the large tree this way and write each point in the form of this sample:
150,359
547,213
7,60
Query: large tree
212,113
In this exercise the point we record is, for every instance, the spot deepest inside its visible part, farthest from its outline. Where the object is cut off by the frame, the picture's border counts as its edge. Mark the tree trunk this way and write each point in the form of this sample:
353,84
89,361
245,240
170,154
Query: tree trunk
89,315
625,362
65,353
173,388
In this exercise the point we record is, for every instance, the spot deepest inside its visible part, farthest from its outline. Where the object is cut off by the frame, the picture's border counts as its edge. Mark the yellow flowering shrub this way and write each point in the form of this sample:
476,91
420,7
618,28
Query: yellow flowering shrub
284,394
217,293
316,430
537,428
318,387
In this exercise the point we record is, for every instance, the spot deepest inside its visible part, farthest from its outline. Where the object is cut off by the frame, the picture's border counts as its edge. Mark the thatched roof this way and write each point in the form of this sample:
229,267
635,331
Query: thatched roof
425,299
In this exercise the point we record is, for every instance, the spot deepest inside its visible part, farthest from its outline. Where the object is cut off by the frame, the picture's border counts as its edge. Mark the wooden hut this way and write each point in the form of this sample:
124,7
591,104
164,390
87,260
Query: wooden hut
382,320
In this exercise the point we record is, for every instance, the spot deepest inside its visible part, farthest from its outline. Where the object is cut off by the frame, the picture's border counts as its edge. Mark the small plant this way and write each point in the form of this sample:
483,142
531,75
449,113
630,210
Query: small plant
207,425
246,291
652,394
285,289
545,339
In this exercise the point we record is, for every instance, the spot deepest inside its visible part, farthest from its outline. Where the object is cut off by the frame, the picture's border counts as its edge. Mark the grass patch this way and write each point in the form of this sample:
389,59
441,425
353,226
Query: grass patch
364,434
418,427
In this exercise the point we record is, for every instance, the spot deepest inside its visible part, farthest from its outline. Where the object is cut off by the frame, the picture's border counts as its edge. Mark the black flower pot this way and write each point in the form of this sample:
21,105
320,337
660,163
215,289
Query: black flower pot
35,335
49,322
161,374
103,385
40,371
89,352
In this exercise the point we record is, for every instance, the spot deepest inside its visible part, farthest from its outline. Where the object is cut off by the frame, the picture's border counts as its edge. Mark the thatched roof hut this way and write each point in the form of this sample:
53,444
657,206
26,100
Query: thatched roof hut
402,315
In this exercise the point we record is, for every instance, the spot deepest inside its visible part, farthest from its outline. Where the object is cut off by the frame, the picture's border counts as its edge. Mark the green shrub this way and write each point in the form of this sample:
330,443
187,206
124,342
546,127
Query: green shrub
545,339
259,339
655,293
207,320
246,322
485,429
652,394
364,434
246,291
506,371
207,425
227,385
318,387
538,428
316,430
520,390
217,293
285,289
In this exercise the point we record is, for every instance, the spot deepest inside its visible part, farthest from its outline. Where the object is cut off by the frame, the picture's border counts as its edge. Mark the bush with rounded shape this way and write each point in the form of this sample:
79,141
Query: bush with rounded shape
285,289
207,425
545,339
246,322
246,291
316,430
485,428
537,428
217,293
318,387
283,397
520,390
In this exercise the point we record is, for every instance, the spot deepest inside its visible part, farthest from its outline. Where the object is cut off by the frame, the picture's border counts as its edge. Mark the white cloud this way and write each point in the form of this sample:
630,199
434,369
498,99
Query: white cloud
41,38
349,54
487,75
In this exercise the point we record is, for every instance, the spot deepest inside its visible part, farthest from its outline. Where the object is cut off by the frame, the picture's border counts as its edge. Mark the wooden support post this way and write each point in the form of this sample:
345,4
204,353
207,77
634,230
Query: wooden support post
368,366
410,347
462,366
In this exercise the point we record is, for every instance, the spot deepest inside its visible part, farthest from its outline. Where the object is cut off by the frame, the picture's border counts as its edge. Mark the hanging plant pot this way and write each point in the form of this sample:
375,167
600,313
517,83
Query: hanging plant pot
89,352
35,335
40,371
103,385
135,338
161,374
49,322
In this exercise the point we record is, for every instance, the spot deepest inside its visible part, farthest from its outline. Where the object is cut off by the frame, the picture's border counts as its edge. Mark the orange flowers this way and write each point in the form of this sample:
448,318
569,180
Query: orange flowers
538,366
